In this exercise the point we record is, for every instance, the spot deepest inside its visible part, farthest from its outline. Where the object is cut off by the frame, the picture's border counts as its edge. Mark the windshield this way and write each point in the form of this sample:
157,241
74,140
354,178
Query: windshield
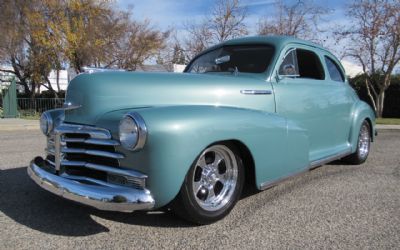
243,58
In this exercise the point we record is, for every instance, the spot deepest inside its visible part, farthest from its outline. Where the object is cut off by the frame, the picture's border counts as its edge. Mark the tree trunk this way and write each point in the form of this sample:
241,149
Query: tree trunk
33,86
379,104
27,91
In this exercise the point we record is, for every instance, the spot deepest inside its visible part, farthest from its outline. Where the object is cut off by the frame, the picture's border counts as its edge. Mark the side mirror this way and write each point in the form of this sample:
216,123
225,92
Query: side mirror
289,70
289,67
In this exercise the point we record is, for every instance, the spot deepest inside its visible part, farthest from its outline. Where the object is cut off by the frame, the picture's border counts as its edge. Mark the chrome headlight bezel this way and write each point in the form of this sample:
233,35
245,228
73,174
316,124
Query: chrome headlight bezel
46,123
137,132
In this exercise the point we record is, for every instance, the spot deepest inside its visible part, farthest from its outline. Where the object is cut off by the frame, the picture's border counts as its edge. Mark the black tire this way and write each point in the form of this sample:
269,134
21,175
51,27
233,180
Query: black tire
193,206
363,145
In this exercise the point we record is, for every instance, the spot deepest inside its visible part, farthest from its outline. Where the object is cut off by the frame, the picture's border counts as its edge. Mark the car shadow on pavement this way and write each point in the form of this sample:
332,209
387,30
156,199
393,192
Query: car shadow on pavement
27,204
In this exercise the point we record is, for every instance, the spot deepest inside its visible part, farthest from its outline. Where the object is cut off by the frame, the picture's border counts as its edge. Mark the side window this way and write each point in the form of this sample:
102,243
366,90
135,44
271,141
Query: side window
289,66
334,71
301,63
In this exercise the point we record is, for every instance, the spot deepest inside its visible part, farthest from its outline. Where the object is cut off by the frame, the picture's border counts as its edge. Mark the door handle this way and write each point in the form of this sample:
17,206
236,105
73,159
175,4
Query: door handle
255,92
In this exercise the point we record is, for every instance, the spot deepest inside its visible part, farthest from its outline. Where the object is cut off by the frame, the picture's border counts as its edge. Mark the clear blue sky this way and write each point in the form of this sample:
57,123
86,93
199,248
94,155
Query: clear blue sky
166,14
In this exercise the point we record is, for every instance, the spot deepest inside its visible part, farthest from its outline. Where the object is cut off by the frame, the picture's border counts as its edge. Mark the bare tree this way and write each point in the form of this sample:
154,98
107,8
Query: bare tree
140,43
299,19
374,41
227,21
198,39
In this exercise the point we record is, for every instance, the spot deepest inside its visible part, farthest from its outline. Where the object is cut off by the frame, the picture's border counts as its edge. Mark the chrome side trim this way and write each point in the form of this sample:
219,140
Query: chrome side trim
312,165
323,161
103,197
142,130
267,184
255,92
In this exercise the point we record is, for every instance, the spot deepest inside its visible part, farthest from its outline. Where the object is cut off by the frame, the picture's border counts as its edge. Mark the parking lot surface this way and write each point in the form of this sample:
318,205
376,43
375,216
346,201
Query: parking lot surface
334,206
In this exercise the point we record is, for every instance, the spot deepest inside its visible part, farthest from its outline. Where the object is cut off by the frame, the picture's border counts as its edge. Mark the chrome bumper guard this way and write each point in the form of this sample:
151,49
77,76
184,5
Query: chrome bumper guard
98,194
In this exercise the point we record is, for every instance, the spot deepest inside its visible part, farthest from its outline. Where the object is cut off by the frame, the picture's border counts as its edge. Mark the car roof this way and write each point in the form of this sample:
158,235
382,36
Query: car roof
277,41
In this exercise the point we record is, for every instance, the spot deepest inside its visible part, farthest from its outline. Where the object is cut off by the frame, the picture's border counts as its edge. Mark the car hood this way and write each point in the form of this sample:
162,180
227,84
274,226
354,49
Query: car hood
99,93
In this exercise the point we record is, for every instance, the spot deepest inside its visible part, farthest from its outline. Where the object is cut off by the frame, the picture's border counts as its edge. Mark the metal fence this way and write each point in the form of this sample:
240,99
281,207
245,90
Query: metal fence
29,106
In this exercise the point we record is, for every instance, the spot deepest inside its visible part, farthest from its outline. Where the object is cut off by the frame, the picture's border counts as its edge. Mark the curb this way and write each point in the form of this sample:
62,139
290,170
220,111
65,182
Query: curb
387,127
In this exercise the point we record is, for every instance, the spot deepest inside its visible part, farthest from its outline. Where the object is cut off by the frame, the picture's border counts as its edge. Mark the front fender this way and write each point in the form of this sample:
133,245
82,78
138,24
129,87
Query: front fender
178,134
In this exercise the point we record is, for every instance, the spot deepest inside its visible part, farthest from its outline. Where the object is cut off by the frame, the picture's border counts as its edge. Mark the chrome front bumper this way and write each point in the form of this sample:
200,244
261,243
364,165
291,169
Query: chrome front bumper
101,195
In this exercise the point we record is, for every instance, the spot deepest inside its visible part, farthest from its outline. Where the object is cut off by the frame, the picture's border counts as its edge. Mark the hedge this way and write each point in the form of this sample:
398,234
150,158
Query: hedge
391,108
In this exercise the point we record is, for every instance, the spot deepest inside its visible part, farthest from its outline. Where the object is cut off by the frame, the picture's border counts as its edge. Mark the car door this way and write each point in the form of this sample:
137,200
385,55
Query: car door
344,99
305,97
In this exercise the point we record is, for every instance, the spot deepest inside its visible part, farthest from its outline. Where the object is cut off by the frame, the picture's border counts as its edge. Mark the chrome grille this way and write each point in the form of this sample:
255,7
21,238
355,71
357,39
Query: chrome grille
82,151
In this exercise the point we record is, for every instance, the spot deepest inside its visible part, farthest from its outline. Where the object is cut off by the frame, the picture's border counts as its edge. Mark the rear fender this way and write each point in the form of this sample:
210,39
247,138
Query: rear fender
361,111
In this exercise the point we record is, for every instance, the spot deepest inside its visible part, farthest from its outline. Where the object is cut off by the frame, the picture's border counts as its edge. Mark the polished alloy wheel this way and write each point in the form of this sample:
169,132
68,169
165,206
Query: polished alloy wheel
215,177
364,141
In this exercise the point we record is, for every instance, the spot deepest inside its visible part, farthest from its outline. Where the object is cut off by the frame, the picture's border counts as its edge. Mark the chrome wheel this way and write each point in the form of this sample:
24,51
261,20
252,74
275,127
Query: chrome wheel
215,177
363,145
364,141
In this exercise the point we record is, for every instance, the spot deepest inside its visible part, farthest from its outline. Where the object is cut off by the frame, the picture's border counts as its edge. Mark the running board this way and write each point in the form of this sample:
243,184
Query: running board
312,165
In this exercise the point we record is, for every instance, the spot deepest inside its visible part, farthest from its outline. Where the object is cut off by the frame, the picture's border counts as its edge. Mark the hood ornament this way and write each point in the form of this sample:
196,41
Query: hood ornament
70,106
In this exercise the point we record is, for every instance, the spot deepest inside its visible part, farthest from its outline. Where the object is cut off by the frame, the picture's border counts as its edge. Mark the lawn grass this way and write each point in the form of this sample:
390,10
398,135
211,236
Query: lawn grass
29,114
30,117
388,121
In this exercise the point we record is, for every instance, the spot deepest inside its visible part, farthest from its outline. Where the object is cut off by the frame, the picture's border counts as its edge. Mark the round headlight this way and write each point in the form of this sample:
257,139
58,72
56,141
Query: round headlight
46,123
132,131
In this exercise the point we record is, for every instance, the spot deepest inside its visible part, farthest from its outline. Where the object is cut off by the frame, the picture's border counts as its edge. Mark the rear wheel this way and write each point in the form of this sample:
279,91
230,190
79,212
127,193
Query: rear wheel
363,145
212,186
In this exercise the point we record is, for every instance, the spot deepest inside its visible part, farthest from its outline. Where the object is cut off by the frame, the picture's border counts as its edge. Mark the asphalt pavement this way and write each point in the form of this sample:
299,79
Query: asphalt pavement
335,206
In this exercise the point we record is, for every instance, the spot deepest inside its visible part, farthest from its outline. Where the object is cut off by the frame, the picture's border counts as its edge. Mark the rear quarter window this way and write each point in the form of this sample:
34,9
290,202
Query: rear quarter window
334,70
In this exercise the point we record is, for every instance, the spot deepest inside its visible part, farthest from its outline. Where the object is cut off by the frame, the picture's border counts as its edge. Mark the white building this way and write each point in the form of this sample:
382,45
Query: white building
62,80
351,68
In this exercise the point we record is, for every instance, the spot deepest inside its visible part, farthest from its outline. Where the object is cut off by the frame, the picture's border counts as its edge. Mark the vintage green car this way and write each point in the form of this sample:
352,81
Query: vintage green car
249,111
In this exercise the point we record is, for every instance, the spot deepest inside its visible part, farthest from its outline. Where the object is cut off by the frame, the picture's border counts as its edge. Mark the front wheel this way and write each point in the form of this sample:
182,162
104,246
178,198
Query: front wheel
363,145
212,186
